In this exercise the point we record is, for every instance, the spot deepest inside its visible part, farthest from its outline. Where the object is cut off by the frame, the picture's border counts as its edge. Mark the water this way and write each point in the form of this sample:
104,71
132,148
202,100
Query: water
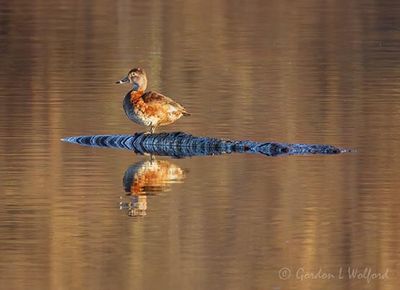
298,72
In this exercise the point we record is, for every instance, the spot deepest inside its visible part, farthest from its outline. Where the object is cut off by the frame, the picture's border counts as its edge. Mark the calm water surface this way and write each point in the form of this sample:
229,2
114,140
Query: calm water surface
305,71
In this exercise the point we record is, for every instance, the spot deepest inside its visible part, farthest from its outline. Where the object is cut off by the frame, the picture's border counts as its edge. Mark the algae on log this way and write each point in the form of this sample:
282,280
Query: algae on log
180,144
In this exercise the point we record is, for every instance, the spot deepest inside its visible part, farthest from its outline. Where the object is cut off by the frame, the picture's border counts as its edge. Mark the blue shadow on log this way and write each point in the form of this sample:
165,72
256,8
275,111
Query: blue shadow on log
180,145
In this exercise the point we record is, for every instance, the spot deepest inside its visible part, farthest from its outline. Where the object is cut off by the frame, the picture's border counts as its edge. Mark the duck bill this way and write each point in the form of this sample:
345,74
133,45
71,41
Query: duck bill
125,80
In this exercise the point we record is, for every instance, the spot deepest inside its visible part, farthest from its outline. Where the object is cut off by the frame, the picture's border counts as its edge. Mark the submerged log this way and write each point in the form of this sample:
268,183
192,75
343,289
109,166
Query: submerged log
180,144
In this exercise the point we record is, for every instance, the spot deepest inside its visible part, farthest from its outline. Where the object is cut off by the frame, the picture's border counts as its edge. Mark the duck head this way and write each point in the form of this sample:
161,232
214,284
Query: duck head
137,77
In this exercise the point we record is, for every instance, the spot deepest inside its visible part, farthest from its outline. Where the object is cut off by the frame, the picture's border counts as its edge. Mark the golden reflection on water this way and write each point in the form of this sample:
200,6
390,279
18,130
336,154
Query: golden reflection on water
145,178
292,71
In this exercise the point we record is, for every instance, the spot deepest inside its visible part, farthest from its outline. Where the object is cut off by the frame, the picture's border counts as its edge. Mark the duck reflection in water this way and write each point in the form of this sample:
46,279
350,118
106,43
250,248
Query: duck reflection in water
145,178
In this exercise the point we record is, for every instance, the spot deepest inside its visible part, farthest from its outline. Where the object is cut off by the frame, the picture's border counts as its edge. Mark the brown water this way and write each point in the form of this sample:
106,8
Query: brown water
290,71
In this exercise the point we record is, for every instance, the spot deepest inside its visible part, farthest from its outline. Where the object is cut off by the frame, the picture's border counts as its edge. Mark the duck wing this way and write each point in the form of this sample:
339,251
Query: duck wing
156,99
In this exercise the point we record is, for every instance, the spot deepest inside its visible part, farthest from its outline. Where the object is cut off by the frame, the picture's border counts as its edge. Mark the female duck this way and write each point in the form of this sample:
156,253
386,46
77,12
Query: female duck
150,109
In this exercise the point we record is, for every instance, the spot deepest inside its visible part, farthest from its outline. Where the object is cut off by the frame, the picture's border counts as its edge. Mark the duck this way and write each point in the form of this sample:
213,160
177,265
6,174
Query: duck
150,109
148,177
151,177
